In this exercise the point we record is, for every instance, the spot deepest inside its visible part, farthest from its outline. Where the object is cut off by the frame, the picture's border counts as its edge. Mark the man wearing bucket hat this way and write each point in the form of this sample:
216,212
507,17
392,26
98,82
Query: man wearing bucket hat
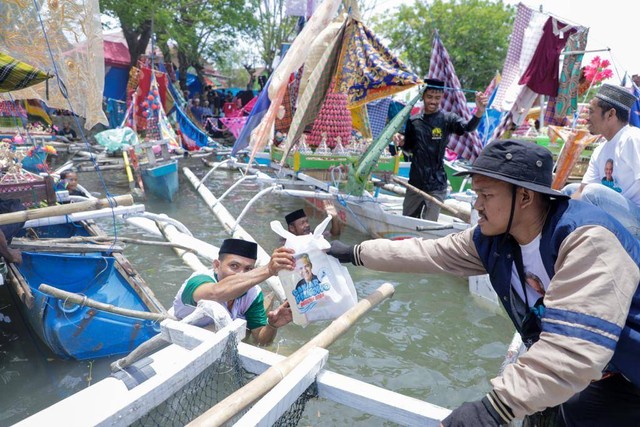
620,154
234,282
581,323
425,138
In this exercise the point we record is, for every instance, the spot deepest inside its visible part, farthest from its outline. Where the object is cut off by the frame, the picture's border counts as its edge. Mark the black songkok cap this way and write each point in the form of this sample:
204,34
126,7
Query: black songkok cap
434,84
295,215
239,247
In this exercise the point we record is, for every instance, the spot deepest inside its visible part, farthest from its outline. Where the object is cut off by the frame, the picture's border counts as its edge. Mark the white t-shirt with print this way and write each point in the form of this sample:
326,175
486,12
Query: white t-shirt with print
624,150
535,272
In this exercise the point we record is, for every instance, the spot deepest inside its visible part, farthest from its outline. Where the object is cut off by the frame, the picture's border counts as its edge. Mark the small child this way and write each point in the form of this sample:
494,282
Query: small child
69,181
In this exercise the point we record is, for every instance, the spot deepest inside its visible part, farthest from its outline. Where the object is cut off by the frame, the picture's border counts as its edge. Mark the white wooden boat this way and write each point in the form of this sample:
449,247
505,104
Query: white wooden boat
171,375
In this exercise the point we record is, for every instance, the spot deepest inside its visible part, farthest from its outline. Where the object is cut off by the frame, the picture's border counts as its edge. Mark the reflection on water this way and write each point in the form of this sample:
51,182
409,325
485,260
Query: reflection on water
431,340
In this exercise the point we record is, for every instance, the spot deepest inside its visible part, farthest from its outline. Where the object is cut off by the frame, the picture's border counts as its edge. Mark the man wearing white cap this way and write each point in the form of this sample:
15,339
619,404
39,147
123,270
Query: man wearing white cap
616,161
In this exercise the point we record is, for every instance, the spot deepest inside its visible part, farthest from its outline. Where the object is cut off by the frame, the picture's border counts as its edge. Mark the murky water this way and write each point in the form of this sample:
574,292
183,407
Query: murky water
432,340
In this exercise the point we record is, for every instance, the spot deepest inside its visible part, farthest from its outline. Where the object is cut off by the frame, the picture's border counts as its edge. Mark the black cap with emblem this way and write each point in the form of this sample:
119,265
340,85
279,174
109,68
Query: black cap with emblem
521,163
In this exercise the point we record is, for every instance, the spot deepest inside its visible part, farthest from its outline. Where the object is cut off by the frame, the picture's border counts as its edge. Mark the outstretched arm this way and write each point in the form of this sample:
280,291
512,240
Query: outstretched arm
232,287
9,254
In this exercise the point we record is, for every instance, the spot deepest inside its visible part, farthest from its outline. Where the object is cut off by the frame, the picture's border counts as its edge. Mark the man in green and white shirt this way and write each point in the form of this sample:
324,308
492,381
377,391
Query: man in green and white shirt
233,282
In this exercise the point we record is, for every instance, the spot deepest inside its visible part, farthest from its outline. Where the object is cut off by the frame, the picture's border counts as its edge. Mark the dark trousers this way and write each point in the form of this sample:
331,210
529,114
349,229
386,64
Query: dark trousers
613,401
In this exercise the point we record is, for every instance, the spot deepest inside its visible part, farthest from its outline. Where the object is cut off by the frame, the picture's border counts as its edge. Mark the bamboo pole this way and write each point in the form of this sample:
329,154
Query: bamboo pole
152,345
170,233
100,239
83,300
66,247
456,212
22,216
234,229
236,402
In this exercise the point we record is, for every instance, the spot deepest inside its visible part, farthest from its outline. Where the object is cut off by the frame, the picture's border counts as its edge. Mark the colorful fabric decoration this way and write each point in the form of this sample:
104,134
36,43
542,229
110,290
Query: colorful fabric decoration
467,146
378,112
567,100
491,117
292,61
367,70
541,76
143,92
310,101
360,121
258,112
282,123
16,75
511,70
234,124
634,116
36,111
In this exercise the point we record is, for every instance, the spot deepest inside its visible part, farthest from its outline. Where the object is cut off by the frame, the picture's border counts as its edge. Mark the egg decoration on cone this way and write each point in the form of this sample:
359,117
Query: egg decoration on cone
333,120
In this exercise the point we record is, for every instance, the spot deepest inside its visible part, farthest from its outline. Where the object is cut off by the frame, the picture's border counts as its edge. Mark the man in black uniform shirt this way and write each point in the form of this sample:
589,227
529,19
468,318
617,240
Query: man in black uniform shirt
425,138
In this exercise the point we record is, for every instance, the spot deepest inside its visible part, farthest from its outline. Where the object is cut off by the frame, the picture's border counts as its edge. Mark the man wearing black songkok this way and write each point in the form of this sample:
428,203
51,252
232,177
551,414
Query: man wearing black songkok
426,136
233,282
298,222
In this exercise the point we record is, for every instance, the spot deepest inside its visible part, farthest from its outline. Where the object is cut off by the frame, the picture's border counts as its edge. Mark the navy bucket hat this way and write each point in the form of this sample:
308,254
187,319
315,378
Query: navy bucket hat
521,163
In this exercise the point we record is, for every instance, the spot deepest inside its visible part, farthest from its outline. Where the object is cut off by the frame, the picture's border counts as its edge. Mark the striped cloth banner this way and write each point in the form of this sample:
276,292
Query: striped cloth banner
467,146
15,75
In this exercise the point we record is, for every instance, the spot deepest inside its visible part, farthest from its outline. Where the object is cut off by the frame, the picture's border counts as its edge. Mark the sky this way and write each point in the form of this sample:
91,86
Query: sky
612,24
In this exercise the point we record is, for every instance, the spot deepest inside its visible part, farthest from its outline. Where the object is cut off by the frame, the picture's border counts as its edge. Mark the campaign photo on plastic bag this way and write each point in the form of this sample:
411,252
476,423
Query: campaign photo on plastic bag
319,288
312,288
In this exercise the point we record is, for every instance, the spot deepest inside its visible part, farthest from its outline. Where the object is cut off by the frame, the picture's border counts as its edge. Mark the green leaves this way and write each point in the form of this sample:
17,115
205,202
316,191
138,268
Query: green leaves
475,33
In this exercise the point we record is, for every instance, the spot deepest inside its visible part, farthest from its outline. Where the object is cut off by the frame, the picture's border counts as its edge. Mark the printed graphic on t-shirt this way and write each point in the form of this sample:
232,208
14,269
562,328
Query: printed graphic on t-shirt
609,179
535,283
436,133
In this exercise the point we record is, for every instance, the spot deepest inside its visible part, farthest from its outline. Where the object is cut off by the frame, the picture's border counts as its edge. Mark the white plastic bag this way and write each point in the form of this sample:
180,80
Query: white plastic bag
319,288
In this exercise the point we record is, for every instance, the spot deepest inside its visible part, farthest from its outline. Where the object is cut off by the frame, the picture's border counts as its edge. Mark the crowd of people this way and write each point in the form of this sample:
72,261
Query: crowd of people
216,103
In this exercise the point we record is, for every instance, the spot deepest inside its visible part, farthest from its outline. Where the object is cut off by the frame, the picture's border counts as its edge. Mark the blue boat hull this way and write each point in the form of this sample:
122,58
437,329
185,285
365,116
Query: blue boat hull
162,180
80,332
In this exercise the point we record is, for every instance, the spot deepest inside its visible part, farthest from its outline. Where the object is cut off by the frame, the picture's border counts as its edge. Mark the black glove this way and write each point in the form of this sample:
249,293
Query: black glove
474,414
343,252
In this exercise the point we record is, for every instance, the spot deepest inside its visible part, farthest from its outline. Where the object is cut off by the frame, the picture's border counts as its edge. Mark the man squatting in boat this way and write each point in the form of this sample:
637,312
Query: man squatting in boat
582,328
233,282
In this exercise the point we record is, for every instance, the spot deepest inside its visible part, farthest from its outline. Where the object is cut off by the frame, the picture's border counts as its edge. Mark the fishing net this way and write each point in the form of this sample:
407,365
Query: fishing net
214,384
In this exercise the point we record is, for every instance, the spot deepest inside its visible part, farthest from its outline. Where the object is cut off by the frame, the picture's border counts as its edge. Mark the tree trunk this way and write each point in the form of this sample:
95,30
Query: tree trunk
138,40
182,70
252,78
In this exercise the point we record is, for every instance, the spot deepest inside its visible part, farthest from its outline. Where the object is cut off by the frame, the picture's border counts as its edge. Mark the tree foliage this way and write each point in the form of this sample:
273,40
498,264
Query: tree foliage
204,30
273,28
474,32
